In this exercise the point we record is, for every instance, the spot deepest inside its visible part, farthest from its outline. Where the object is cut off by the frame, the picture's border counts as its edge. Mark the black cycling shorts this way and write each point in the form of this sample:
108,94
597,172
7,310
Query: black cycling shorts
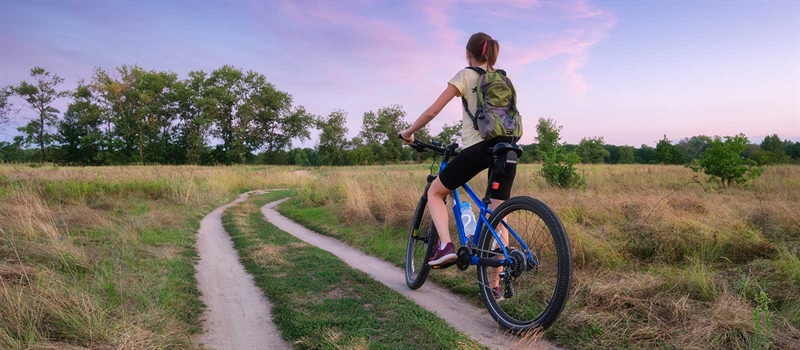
472,161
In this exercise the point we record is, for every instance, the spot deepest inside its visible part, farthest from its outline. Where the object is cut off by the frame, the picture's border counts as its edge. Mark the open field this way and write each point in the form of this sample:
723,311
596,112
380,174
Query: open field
103,256
661,259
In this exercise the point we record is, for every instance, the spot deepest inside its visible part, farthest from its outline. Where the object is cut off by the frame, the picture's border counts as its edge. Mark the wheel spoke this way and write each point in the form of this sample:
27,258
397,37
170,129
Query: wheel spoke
538,296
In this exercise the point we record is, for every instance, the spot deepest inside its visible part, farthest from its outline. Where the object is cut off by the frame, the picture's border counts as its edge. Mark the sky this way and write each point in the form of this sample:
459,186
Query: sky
629,71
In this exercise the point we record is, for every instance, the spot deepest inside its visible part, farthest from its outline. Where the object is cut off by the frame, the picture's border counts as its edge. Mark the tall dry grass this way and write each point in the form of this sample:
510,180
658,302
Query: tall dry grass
662,258
102,257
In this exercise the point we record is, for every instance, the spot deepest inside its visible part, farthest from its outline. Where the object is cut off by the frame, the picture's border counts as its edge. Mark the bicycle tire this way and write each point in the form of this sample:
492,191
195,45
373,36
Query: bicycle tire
422,238
539,294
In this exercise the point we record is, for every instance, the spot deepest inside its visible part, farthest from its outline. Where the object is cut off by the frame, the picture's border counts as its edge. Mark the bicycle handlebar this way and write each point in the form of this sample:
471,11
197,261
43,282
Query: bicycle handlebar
435,146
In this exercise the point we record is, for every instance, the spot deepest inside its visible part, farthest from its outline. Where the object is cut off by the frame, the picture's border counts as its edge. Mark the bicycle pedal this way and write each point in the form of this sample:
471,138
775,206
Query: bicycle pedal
443,266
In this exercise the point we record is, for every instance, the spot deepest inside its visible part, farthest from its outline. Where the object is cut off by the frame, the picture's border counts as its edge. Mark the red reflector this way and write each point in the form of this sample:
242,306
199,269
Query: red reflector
495,185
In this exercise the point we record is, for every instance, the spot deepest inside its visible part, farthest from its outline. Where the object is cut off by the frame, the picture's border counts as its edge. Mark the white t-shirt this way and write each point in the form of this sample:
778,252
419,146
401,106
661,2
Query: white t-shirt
465,81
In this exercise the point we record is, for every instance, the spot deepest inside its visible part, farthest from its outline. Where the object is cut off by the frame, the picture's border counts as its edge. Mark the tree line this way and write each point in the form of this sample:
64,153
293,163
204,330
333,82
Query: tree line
228,116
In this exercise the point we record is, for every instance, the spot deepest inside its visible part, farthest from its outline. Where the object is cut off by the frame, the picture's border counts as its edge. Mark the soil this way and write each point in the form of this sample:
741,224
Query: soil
237,314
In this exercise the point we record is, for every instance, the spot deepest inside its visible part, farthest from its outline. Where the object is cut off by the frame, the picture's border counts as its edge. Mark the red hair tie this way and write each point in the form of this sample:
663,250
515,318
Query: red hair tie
483,53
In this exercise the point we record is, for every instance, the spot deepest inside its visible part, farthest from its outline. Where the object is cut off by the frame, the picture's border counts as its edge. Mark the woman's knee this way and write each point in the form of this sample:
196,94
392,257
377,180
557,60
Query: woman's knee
437,190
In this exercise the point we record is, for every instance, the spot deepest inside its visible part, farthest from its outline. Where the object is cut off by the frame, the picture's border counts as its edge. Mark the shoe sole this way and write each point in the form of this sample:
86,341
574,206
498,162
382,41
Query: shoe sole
444,259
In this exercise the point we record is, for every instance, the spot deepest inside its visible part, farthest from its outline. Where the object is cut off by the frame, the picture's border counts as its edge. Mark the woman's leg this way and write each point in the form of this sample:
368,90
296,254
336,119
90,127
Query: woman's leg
437,194
494,274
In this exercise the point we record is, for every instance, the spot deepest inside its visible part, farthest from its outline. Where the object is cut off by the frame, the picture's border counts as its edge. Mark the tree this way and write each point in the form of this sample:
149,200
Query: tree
360,153
613,154
39,96
644,155
302,157
5,105
142,108
333,139
559,165
667,153
379,132
224,95
276,121
792,149
450,133
530,154
592,150
80,132
194,119
157,127
547,136
723,161
626,155
773,146
249,113
755,153
693,147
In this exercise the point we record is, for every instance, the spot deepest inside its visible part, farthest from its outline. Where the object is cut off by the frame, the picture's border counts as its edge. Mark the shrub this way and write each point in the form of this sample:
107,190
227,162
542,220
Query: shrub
723,161
559,170
559,166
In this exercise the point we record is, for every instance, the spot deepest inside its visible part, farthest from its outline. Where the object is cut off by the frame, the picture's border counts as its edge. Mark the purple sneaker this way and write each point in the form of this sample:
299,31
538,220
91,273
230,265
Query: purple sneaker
448,254
497,293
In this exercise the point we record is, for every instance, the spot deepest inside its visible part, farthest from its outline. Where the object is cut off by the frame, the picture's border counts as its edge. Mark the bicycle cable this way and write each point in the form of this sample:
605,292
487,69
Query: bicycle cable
434,164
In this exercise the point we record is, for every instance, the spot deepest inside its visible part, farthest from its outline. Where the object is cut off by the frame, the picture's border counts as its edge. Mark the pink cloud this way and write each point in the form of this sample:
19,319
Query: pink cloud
523,4
582,10
345,33
391,47
576,80
587,26
582,26
438,18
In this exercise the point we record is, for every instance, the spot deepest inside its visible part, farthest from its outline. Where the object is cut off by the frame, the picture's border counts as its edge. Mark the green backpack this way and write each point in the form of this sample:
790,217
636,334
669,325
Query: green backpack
496,113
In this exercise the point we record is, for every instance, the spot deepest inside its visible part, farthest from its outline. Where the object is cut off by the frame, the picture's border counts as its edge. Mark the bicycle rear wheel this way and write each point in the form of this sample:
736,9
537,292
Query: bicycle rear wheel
422,238
534,290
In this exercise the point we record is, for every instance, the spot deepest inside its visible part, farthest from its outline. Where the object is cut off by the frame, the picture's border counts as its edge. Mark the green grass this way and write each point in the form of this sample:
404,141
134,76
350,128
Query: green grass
389,243
102,257
119,272
621,302
383,241
319,301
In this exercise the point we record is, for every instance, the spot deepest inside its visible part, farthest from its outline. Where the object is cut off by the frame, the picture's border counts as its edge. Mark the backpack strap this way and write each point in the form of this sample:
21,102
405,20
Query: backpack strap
480,71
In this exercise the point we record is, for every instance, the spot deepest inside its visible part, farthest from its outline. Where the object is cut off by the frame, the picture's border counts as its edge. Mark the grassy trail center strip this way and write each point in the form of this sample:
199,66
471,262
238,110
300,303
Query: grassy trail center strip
465,317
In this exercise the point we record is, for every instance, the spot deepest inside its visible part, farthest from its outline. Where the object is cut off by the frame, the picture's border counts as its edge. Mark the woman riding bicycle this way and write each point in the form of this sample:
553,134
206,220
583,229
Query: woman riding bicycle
482,52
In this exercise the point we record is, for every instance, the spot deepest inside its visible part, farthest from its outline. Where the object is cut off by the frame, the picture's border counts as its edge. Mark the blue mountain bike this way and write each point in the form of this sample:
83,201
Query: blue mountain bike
520,247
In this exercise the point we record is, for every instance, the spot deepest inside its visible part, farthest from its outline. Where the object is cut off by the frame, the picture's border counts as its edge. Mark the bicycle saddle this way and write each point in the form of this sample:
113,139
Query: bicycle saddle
503,147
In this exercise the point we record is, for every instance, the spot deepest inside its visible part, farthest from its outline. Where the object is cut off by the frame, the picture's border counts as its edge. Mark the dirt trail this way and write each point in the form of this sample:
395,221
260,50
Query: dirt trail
469,319
237,314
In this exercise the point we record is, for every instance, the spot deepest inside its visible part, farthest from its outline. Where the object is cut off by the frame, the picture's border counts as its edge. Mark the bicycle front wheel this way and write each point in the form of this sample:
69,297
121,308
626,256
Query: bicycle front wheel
532,293
422,238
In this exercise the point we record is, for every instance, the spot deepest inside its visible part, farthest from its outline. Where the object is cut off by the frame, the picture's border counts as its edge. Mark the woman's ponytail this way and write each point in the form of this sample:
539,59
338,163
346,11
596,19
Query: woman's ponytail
484,48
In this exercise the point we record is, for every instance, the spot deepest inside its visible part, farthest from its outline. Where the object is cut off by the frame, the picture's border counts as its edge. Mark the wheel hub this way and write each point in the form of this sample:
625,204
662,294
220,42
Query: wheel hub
519,263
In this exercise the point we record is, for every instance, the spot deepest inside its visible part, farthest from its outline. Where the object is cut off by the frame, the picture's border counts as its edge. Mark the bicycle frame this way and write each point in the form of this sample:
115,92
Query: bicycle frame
484,212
